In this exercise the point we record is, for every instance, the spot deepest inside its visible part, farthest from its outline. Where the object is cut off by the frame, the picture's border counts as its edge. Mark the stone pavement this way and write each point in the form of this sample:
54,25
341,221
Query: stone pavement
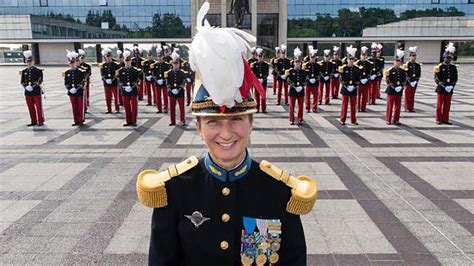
388,195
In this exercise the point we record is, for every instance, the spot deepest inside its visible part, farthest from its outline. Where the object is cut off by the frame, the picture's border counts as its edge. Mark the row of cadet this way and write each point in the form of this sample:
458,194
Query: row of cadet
303,81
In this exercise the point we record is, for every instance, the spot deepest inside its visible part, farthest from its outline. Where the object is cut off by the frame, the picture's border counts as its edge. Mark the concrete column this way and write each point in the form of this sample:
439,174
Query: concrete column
282,21
36,53
254,12
77,46
98,53
223,13
120,46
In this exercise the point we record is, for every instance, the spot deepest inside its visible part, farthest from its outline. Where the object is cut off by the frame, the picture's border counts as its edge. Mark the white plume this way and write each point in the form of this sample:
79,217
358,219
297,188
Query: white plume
374,45
283,48
297,52
277,49
119,52
400,53
159,49
450,48
310,48
351,51
379,46
216,55
27,54
327,52
71,55
413,49
364,49
259,51
335,49
81,52
252,50
313,52
126,54
174,56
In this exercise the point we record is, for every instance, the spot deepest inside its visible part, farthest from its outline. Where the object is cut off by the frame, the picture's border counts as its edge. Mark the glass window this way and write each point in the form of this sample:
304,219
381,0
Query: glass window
103,2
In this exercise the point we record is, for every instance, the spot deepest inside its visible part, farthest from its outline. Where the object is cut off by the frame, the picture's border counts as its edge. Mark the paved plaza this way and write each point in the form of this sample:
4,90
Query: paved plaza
388,195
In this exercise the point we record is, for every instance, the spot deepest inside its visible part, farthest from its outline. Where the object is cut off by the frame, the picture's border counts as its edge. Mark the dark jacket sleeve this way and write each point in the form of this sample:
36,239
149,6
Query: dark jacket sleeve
294,250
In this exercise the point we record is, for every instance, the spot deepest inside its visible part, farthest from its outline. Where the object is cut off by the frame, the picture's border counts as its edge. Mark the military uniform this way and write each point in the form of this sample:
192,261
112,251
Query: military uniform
282,65
327,70
261,70
251,60
161,90
396,78
31,79
107,71
446,76
350,78
314,70
175,80
88,68
335,82
273,63
364,84
74,80
149,81
137,63
376,78
413,71
189,81
129,78
297,79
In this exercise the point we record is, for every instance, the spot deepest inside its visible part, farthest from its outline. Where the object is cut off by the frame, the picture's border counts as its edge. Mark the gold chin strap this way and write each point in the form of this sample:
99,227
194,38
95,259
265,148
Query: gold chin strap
303,188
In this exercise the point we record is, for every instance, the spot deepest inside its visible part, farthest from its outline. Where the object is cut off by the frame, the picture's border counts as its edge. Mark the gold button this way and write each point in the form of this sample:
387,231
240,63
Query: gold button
224,245
226,191
225,217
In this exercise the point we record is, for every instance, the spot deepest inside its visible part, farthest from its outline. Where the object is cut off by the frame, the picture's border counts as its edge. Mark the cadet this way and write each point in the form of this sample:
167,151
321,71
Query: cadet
364,85
335,82
377,72
327,70
161,91
313,68
137,63
74,80
128,77
396,78
175,81
147,72
282,64
273,62
225,208
121,63
107,71
446,76
88,68
297,78
413,71
31,80
350,77
166,51
189,81
253,56
261,69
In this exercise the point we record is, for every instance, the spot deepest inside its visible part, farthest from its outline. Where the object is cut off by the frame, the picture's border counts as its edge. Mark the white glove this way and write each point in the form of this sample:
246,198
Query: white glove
29,88
336,75
260,80
364,81
283,77
108,81
326,77
188,80
73,90
413,83
159,82
127,88
148,78
299,88
175,91
350,88
448,88
398,88
373,76
312,80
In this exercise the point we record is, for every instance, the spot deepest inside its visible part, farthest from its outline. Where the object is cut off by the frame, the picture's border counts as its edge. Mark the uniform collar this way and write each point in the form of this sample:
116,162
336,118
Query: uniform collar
225,175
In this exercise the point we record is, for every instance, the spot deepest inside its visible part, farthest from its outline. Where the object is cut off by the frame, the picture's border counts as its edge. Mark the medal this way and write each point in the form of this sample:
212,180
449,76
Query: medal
246,261
261,259
274,258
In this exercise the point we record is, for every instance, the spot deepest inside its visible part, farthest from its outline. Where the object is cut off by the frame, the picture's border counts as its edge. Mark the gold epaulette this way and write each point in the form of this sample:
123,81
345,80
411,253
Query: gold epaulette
142,63
166,74
436,69
151,190
252,64
101,65
386,73
64,73
305,65
341,69
405,66
303,188
287,72
117,72
20,72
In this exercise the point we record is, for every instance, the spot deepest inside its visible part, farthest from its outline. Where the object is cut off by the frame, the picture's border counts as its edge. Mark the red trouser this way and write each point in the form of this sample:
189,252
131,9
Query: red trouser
140,89
362,95
120,98
189,93
393,102
274,83
130,104
282,84
35,107
409,97
109,92
328,91
311,90
374,90
443,105
88,93
345,101
157,95
77,103
335,84
173,101
148,90
260,100
293,100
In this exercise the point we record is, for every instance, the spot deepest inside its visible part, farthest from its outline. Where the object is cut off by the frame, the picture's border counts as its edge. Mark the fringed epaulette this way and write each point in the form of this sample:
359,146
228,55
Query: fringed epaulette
303,188
386,72
341,69
151,190
405,66
436,69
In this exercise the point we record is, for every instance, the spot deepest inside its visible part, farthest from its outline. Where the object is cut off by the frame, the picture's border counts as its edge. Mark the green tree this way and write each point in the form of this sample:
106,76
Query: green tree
376,16
349,23
434,12
168,26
